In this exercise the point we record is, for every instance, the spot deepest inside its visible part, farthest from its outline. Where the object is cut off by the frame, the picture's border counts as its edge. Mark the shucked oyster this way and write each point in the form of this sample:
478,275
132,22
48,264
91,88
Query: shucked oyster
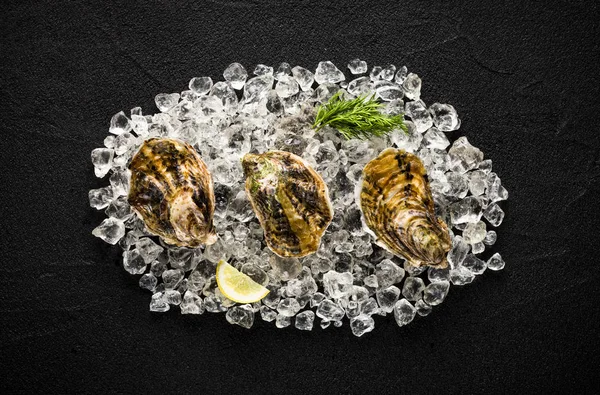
398,208
172,190
290,200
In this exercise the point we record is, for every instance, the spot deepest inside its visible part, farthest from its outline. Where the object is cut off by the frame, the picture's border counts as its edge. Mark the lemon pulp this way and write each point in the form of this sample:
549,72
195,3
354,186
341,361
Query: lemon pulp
237,286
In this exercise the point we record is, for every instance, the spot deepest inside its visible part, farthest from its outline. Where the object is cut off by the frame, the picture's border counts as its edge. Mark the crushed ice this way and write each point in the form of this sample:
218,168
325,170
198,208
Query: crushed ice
349,276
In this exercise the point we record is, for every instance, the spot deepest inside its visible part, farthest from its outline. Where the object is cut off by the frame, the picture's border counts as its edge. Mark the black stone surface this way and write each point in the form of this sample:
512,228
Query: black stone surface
524,78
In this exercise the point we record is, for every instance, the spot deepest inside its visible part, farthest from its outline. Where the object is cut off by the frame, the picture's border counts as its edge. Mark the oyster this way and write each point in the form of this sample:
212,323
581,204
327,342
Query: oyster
290,199
172,191
398,208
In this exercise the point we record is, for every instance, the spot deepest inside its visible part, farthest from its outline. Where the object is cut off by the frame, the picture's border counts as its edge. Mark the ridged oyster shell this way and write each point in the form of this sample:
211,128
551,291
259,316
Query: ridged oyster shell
396,201
172,191
290,199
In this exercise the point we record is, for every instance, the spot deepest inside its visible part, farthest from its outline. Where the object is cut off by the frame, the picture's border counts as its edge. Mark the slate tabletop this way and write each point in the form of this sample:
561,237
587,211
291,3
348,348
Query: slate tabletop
524,79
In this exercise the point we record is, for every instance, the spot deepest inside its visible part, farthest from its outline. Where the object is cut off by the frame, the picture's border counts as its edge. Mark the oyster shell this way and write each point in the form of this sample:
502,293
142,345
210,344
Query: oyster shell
172,191
398,208
290,199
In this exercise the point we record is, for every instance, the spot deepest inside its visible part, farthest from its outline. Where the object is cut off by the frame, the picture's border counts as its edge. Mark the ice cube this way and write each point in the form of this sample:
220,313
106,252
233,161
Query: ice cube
337,285
357,66
158,303
148,249
102,160
285,268
412,86
305,320
173,297
495,262
436,292
368,306
458,185
288,307
303,285
100,198
316,299
466,210
494,214
418,113
172,278
394,107
445,117
111,230
388,72
474,232
433,138
490,238
133,262
401,75
413,288
438,274
262,69
388,273
266,313
409,141
387,298
109,142
423,309
303,77
388,91
282,321
371,281
327,72
286,86
375,73
362,324
242,315
225,92
413,270
148,281
464,156
283,70
474,264
201,85
461,276
359,86
139,125
459,251
191,303
166,101
119,124
477,182
326,91
236,74
329,311
404,312
258,87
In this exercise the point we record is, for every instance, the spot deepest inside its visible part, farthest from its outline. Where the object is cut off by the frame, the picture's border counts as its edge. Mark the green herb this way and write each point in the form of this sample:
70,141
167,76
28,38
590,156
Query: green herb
358,118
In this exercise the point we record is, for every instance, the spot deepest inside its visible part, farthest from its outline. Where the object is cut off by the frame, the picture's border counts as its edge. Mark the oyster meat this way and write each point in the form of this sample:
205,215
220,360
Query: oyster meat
396,201
172,191
290,199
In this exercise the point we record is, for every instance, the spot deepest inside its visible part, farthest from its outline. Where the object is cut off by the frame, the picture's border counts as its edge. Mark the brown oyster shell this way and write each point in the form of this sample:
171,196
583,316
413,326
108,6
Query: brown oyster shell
172,191
290,199
396,201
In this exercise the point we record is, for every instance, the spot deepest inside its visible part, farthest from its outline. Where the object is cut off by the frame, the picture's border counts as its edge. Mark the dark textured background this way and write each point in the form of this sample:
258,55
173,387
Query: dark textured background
524,78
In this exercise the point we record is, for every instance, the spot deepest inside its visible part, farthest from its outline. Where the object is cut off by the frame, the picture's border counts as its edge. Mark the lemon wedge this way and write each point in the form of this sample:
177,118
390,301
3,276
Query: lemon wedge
237,286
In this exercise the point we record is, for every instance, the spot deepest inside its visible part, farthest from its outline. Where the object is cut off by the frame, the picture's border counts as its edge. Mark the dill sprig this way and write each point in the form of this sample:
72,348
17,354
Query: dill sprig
359,118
